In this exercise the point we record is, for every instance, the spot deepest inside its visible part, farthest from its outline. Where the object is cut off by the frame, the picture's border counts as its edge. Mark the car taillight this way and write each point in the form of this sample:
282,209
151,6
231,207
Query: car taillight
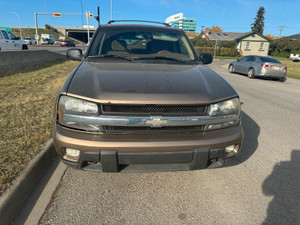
284,68
263,65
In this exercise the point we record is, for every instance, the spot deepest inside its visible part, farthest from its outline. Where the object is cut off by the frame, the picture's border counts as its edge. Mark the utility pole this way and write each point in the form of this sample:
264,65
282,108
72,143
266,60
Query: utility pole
88,27
111,10
216,48
281,29
36,29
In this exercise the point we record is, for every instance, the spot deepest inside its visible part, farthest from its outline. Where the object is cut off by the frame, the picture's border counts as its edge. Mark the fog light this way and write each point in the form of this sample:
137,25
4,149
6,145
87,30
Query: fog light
72,152
231,151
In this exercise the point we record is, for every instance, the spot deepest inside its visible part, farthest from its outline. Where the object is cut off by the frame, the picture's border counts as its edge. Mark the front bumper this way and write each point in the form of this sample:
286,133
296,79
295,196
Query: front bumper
146,152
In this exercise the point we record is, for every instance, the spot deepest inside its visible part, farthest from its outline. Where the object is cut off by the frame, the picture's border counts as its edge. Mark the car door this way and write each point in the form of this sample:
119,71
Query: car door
239,64
5,42
249,63
16,43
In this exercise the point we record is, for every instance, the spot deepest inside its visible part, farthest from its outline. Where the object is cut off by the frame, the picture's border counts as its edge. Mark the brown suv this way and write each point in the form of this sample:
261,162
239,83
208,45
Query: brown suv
141,99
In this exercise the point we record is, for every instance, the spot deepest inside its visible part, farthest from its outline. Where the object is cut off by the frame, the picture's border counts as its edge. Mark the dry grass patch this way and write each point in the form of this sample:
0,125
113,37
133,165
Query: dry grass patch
26,108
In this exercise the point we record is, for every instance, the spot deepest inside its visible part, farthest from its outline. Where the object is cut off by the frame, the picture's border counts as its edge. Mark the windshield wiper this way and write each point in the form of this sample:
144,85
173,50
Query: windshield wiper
112,56
164,58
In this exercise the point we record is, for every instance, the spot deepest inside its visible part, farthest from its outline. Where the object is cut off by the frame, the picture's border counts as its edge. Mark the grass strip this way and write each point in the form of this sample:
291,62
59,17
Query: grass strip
293,69
26,110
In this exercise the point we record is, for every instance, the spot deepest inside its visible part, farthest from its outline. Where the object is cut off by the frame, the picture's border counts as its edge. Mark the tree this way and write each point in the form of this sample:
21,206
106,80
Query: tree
259,23
270,36
216,29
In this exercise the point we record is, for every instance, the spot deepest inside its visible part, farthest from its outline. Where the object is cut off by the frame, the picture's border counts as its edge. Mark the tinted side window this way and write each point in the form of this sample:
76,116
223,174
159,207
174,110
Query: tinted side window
5,35
244,59
251,59
12,36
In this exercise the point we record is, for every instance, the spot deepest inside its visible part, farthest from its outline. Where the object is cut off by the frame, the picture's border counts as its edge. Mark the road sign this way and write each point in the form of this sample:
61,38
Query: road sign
6,28
57,14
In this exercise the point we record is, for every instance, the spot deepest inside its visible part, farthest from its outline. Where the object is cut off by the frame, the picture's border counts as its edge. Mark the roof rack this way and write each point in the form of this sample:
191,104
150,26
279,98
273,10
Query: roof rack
139,21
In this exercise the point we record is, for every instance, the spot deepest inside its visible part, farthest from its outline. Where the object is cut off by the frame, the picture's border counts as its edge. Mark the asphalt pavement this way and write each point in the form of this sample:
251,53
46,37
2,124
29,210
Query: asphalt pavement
53,48
261,186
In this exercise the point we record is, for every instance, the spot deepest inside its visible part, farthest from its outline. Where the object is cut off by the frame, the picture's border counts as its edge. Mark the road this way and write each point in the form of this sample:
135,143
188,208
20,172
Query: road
261,186
52,48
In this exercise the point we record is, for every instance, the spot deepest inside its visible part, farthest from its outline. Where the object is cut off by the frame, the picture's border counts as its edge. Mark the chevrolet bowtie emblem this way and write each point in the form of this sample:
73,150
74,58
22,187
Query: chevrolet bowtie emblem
156,122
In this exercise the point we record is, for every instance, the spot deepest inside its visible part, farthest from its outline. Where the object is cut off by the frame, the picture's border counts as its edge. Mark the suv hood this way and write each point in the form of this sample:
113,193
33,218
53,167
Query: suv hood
141,83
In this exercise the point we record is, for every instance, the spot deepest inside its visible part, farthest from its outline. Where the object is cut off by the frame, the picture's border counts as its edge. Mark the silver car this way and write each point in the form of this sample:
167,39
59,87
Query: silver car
254,65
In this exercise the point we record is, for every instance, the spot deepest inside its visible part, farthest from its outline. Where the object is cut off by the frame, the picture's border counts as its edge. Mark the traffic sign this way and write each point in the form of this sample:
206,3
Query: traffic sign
57,14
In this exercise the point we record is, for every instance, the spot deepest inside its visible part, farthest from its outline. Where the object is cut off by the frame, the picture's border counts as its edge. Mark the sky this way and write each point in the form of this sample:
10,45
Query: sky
231,15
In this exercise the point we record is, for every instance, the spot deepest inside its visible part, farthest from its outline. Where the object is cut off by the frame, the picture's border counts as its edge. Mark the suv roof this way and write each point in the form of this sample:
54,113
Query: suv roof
138,21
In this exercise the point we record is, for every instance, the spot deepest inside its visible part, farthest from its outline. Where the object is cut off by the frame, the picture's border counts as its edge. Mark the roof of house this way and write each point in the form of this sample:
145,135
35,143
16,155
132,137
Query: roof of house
228,36
292,37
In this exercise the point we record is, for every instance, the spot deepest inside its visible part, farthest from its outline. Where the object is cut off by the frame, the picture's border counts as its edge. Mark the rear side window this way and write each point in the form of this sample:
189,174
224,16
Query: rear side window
1,37
5,35
268,59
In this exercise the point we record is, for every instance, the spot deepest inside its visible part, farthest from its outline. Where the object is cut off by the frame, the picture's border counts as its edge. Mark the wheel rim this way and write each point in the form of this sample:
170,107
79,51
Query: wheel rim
251,73
231,68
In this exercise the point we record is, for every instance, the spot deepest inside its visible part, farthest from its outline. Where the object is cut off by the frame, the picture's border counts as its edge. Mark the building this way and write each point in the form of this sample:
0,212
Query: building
250,43
178,21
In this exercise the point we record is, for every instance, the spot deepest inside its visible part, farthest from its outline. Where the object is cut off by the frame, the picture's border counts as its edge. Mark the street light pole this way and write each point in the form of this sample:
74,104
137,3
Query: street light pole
111,10
20,24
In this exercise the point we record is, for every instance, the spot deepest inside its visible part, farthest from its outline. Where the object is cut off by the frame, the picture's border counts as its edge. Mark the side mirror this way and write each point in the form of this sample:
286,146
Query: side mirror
206,58
74,54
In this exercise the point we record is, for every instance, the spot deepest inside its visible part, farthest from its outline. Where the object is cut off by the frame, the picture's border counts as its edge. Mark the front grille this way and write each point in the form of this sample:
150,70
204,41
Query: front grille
122,129
148,109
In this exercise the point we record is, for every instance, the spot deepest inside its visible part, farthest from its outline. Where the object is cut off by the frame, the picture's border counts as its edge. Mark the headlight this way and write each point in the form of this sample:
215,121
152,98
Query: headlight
229,107
228,111
70,107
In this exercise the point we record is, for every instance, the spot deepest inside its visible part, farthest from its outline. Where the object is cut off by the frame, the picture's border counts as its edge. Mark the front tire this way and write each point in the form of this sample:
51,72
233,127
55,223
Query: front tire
251,73
231,68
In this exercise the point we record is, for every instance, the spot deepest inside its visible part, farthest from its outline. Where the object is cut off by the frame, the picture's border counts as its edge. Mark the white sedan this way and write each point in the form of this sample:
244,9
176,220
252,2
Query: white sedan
30,41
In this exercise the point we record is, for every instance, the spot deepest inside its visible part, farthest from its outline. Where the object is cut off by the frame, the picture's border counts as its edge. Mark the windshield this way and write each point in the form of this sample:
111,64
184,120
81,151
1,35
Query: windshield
142,44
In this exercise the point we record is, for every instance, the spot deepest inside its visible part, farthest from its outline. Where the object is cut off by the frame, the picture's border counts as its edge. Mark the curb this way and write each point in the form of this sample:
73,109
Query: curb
12,200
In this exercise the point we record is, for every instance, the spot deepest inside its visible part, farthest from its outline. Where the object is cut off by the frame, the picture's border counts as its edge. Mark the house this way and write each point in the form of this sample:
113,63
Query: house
250,43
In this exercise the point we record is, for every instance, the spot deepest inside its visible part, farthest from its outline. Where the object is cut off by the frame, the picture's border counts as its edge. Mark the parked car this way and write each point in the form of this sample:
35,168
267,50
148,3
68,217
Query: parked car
30,41
57,42
295,57
254,66
8,41
142,99
67,43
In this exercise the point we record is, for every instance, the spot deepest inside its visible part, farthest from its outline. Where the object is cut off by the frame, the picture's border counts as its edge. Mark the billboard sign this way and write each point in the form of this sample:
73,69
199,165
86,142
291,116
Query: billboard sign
175,17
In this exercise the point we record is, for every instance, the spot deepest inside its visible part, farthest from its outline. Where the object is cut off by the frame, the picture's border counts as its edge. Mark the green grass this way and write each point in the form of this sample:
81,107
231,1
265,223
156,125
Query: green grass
26,108
293,70
30,32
